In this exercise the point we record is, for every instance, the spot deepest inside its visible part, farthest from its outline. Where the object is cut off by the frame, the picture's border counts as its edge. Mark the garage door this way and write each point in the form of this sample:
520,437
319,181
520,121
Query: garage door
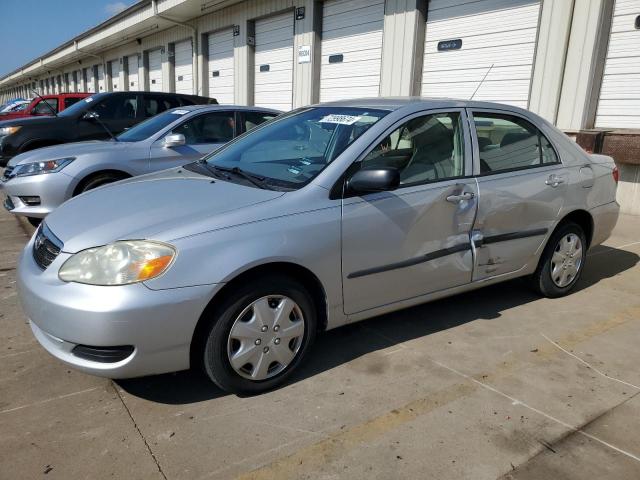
619,103
101,82
464,39
274,62
183,71
351,49
155,71
221,66
132,72
115,75
88,80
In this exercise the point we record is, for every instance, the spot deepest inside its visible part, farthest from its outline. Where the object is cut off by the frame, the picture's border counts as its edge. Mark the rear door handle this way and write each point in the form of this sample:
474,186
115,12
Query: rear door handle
554,180
461,197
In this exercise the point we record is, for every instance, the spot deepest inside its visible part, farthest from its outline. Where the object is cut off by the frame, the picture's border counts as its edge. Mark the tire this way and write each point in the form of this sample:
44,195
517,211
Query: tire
560,266
97,181
34,221
235,327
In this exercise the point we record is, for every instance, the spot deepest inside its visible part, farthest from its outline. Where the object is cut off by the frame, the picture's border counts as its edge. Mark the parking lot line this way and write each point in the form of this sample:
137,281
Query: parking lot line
588,365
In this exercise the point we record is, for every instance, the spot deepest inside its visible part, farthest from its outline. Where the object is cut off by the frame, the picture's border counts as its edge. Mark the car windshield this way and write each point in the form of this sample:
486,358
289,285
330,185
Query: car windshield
151,126
78,107
290,151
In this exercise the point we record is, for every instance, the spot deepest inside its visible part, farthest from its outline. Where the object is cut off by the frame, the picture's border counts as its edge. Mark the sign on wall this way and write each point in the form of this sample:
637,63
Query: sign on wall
450,45
304,54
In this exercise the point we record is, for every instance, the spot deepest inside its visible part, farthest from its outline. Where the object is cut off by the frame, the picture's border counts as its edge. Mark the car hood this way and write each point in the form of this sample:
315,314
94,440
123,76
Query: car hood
65,150
68,150
144,207
26,121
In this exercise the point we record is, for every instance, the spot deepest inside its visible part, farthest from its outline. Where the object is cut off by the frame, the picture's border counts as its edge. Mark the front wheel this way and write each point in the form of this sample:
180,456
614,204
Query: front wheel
98,181
259,335
562,261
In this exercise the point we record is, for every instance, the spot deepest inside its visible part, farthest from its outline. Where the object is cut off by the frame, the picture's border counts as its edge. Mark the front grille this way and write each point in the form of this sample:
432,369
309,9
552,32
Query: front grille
46,247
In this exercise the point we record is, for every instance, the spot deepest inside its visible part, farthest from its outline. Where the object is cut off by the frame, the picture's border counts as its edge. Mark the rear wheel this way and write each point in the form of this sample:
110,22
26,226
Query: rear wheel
562,261
259,335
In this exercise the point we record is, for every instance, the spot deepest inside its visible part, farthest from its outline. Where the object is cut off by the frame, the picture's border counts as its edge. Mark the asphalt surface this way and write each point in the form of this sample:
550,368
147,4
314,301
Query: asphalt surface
497,383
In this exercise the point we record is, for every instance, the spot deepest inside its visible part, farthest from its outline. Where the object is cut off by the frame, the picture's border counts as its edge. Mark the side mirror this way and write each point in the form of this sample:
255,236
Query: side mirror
375,180
90,115
174,140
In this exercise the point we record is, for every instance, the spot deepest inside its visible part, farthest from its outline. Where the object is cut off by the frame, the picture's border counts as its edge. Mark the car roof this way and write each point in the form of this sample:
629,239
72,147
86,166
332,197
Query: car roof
228,107
396,103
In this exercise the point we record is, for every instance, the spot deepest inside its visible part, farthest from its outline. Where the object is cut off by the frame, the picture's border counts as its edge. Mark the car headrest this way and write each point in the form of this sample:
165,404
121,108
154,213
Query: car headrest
514,137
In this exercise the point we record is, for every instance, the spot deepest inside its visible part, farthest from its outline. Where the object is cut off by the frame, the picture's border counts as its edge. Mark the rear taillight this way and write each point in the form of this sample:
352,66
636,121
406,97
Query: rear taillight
616,174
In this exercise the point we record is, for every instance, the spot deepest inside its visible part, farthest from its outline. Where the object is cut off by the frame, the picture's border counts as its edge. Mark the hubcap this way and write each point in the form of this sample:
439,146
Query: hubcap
566,260
265,337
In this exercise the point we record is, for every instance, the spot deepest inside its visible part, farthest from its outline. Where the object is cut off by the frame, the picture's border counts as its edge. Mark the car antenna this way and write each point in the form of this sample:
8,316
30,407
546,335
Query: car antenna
96,117
481,81
55,114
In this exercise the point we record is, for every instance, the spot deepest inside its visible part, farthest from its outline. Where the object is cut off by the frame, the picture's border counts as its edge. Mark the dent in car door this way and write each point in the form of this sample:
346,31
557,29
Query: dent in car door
414,240
521,186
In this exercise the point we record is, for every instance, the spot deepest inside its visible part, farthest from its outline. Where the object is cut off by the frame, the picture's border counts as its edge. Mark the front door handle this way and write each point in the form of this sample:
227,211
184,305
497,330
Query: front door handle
554,180
460,198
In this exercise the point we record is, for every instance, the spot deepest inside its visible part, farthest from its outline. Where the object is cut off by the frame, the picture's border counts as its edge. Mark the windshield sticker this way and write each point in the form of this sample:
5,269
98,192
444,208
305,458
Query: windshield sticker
180,112
340,119
88,99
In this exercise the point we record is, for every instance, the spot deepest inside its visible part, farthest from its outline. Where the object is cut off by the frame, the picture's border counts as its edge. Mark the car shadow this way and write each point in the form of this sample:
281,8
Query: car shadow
347,343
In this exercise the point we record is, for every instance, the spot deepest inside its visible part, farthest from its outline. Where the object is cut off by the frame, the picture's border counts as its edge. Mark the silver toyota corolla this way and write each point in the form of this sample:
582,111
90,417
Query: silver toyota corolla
38,181
324,216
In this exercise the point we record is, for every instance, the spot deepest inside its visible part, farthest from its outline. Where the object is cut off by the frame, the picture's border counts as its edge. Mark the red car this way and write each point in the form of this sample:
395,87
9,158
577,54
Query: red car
37,107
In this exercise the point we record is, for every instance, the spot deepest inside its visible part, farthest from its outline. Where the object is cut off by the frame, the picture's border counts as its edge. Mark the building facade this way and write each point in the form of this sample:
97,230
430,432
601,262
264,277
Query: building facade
575,62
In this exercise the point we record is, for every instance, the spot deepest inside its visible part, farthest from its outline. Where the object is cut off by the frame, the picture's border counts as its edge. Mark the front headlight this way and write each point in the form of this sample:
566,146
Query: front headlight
38,168
8,130
119,263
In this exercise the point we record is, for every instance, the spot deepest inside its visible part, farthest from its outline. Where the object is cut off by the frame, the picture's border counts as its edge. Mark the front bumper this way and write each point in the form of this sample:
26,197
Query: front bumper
52,188
159,324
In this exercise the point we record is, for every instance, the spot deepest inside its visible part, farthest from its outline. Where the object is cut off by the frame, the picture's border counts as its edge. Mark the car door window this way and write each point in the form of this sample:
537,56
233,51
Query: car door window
154,104
508,142
424,149
217,127
253,119
117,107
42,109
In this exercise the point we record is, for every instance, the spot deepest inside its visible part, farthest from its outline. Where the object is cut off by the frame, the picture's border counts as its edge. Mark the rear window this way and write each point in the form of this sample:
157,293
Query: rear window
70,101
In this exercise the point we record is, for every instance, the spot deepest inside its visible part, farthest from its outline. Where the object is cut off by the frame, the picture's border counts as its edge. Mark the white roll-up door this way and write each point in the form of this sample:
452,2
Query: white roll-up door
351,49
183,63
273,78
101,82
155,71
132,72
464,39
220,70
115,75
89,81
619,102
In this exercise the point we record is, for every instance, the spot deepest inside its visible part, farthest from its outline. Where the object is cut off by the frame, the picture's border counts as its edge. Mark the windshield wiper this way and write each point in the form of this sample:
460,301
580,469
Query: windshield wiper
215,171
256,180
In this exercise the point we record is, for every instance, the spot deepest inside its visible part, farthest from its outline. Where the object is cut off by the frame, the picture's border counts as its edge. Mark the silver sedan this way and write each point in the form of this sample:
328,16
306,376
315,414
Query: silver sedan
327,215
38,181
